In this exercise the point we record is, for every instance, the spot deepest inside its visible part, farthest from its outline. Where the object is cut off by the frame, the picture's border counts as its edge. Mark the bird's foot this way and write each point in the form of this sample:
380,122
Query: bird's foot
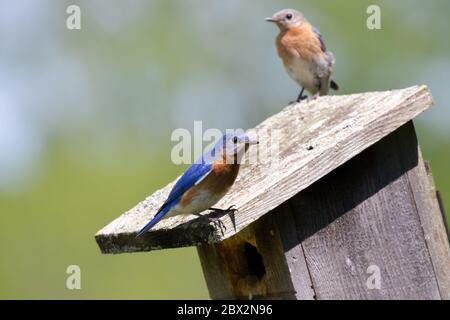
299,99
216,214
215,220
218,224
231,209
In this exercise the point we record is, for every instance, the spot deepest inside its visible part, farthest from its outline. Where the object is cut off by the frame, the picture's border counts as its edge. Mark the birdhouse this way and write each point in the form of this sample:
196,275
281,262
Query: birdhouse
345,209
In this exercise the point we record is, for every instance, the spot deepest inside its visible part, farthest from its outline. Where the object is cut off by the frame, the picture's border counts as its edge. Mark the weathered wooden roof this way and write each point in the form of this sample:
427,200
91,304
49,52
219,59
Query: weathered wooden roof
318,136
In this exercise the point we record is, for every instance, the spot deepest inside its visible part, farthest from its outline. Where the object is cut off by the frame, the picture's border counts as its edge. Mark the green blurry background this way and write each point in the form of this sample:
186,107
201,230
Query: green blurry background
86,117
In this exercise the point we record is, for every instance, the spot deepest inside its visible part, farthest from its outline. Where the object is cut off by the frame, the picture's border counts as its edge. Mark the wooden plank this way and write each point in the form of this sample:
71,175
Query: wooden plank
314,139
278,275
432,221
364,214
293,251
213,267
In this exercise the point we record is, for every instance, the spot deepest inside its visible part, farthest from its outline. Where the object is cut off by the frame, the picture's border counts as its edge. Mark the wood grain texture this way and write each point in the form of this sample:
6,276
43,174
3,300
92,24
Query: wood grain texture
364,214
316,137
432,221
299,274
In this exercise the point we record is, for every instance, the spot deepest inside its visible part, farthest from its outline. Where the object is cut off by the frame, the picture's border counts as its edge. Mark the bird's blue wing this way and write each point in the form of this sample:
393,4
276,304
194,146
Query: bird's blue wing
320,37
193,175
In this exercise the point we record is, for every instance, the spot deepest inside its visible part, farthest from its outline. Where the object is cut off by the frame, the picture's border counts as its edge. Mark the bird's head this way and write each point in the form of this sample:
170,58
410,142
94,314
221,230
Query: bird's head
287,19
232,146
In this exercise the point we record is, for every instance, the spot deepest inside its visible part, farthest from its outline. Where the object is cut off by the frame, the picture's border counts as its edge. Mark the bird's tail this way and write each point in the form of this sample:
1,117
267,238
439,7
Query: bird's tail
334,85
161,213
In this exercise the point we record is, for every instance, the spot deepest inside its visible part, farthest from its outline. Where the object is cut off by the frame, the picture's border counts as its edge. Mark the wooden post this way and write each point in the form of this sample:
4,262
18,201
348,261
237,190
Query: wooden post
372,211
348,209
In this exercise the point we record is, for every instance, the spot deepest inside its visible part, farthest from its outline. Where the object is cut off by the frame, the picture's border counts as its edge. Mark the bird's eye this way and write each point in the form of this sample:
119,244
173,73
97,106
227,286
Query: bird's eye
235,139
289,16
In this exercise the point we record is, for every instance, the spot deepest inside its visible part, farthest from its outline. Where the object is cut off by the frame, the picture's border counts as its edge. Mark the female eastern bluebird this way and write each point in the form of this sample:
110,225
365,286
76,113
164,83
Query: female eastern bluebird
304,54
206,181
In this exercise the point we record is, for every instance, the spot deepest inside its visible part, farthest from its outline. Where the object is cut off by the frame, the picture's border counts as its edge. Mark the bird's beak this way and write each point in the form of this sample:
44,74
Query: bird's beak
270,19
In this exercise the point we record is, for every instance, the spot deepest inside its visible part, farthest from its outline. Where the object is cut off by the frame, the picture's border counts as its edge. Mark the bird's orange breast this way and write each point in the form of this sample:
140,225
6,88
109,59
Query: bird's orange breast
298,42
218,181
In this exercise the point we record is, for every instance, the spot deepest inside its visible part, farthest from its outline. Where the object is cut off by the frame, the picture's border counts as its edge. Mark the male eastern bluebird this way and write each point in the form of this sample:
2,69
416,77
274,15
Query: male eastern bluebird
206,181
302,49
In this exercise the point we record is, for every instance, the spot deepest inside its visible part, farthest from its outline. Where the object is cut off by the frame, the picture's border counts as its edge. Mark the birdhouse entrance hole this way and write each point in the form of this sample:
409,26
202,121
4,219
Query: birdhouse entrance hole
254,261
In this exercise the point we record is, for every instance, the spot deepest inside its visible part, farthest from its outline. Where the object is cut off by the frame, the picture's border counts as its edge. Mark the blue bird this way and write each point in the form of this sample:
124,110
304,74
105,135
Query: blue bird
206,181
302,49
